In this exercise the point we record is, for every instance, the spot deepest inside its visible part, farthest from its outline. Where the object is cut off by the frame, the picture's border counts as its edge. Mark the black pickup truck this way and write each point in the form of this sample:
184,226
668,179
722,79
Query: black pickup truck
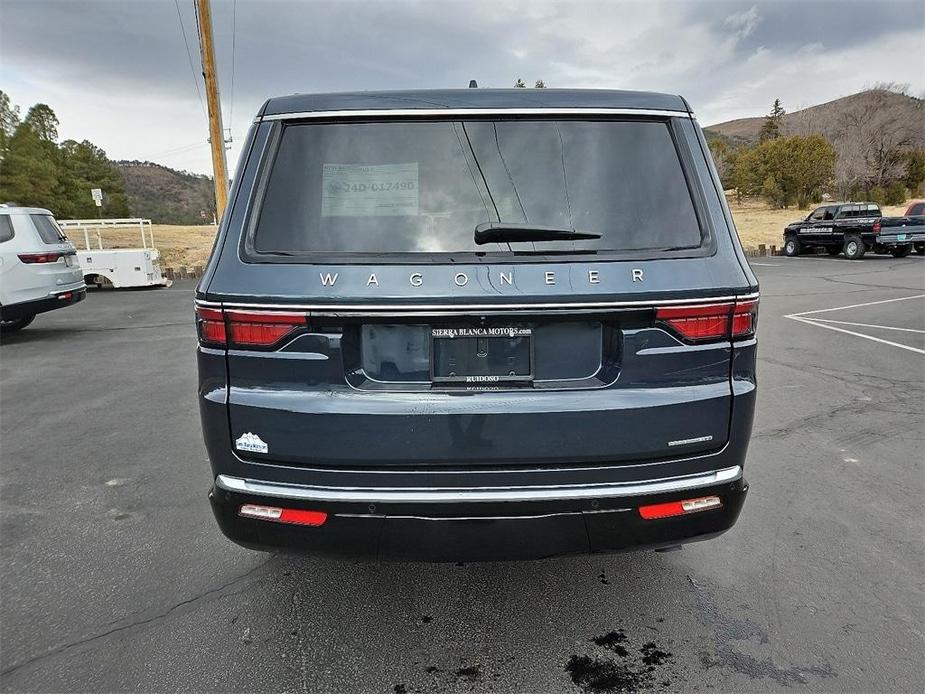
853,229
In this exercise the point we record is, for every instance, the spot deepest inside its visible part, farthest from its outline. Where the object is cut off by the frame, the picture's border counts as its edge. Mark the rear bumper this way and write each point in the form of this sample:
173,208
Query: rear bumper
893,238
478,524
50,303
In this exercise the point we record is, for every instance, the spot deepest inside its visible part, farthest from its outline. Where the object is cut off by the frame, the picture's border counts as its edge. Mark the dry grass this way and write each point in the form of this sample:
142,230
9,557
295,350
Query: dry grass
189,246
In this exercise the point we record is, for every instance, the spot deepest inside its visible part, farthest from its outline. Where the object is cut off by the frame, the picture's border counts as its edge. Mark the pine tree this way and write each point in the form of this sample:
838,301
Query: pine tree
31,164
9,121
37,172
772,122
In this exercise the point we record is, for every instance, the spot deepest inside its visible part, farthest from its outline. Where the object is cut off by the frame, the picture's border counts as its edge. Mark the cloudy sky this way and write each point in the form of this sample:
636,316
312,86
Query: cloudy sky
118,73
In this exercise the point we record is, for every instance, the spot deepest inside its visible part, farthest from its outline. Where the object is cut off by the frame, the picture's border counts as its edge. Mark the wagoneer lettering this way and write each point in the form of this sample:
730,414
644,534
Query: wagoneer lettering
525,311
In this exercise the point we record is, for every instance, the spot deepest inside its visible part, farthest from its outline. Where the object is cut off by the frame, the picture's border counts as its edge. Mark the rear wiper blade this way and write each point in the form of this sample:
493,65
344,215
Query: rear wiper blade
495,232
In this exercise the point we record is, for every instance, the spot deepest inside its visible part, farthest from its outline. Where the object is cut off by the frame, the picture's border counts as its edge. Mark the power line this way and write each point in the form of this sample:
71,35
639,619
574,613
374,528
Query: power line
190,57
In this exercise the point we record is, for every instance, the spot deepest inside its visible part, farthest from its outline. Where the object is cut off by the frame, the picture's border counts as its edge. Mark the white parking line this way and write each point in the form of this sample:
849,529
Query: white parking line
828,323
866,325
842,308
818,324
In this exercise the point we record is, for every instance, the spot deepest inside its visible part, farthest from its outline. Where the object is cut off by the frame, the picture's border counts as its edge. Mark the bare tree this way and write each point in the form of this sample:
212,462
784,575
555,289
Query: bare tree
871,137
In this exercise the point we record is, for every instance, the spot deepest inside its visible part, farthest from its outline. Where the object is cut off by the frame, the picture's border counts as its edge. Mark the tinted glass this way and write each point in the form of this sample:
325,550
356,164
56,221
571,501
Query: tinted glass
400,187
917,208
48,229
6,228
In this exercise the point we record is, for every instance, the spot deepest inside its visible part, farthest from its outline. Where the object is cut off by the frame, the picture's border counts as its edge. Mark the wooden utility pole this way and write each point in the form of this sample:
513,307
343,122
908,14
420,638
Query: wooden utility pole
216,132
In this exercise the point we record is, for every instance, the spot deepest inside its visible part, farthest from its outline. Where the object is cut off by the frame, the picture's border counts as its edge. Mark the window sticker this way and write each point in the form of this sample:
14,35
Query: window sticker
358,190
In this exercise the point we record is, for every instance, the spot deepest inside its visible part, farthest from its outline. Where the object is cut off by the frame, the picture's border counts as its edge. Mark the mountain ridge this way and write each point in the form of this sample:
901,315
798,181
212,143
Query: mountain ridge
830,118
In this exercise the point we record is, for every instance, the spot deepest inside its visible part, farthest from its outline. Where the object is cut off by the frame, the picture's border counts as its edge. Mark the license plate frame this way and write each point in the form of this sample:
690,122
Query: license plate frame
470,342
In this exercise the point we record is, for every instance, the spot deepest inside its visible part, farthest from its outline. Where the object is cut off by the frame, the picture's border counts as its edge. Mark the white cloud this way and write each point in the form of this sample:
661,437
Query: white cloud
118,73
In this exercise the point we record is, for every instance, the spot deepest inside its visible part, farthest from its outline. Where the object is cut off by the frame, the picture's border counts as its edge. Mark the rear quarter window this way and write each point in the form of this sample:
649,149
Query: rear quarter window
397,187
6,228
48,228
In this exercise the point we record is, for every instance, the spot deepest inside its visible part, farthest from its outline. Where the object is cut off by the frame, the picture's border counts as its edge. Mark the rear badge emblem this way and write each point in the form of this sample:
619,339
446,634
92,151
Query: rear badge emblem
251,443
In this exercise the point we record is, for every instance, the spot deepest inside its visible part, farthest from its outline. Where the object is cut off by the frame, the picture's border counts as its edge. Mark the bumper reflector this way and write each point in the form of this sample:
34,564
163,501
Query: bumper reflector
294,516
679,508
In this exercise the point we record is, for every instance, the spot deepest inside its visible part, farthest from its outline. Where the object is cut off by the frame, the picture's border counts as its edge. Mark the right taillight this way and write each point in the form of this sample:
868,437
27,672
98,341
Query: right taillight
745,318
246,329
706,322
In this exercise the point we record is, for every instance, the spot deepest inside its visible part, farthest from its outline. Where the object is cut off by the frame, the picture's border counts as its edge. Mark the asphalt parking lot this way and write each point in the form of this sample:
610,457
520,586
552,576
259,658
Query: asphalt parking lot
115,576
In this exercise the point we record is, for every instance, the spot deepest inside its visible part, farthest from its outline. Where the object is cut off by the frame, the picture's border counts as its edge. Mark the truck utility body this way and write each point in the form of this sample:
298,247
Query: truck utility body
476,324
118,267
853,229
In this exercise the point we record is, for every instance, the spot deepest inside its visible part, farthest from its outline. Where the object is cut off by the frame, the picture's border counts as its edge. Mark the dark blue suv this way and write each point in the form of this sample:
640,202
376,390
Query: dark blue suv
476,324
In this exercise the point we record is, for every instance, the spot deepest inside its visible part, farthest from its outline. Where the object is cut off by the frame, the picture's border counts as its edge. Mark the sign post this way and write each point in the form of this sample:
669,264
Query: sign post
97,194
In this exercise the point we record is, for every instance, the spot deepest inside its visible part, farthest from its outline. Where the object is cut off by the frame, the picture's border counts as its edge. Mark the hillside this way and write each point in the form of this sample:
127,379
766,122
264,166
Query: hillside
833,118
166,196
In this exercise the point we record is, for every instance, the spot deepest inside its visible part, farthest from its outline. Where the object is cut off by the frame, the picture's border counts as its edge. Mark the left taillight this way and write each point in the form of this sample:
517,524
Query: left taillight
210,324
246,329
708,322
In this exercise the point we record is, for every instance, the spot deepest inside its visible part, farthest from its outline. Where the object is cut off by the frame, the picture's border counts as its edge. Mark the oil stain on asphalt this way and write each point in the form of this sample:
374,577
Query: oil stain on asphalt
626,669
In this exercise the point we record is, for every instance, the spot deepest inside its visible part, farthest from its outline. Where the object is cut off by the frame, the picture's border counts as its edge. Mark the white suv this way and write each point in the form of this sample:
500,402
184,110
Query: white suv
38,267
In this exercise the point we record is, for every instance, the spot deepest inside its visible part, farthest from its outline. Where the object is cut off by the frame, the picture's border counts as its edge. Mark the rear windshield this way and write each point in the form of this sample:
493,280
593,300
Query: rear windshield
422,187
48,228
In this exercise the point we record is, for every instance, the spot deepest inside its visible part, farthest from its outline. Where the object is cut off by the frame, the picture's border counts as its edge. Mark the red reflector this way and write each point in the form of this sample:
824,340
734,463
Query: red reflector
31,258
679,508
293,516
65,296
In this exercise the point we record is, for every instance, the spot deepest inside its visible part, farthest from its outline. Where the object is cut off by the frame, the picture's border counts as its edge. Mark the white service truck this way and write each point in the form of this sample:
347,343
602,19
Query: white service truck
118,267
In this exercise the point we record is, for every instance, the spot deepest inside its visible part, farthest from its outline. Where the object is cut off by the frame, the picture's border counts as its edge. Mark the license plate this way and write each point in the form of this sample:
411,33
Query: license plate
900,237
481,356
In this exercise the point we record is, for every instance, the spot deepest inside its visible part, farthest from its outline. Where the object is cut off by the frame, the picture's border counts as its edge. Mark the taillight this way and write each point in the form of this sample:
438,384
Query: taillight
707,322
256,329
31,258
877,227
679,508
248,329
745,318
210,323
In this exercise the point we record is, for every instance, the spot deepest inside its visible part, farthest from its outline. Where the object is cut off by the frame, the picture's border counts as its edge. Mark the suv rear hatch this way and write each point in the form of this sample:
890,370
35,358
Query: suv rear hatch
367,328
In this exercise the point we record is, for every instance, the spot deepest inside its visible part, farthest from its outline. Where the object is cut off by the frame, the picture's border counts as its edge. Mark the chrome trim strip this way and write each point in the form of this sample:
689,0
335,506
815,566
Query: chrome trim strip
379,308
489,471
405,112
482,518
479,494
